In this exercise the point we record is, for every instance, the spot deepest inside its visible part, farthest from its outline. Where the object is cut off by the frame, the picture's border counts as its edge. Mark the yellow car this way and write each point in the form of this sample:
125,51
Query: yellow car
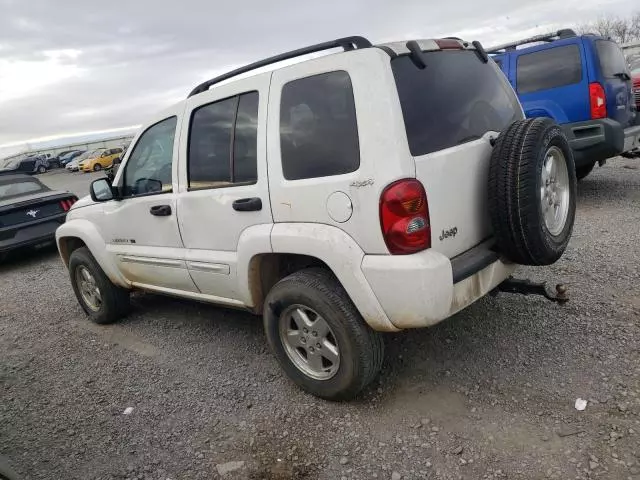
103,160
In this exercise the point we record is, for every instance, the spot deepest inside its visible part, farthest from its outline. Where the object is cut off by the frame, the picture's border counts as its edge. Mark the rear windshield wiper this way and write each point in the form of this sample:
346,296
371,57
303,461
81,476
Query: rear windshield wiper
622,75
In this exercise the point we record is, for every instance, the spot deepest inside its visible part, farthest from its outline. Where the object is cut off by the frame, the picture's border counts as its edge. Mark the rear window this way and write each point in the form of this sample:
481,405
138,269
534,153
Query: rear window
20,187
456,99
550,68
611,58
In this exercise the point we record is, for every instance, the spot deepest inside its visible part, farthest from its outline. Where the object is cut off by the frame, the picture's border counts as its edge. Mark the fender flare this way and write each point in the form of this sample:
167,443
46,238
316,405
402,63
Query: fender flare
89,234
344,257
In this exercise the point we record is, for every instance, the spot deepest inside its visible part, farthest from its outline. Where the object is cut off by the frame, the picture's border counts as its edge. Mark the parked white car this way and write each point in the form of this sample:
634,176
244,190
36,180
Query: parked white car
360,192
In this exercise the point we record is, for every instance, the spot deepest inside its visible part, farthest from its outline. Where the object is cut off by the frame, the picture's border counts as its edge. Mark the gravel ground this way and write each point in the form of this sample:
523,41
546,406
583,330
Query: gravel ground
487,394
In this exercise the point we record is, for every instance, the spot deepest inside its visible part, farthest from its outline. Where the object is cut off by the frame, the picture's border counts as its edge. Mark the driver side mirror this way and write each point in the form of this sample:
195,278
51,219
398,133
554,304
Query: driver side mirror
101,190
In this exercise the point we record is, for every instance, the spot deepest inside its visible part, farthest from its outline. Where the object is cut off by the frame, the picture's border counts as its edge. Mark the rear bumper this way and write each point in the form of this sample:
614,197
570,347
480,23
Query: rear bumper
30,234
597,140
423,289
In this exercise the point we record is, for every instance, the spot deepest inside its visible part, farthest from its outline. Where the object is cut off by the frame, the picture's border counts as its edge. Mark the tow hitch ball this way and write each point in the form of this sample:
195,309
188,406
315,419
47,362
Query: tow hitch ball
527,287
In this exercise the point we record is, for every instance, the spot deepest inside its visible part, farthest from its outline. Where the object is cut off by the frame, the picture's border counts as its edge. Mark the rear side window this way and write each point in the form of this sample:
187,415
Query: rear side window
611,59
456,99
318,128
223,143
550,68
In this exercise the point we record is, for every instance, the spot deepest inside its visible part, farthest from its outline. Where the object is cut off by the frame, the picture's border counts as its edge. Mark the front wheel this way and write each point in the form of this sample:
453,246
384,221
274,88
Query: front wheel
97,167
42,169
102,301
319,337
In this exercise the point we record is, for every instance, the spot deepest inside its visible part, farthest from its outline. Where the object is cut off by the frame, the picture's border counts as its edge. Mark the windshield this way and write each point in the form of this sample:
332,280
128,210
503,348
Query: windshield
11,164
15,188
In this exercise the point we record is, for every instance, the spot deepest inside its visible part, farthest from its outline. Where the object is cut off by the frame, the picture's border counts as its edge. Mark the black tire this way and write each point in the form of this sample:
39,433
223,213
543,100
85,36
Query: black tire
585,170
514,192
42,169
97,167
361,348
115,300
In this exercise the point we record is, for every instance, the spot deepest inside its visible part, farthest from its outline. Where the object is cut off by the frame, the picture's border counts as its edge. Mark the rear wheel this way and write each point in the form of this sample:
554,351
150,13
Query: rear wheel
532,192
42,169
585,170
318,336
102,301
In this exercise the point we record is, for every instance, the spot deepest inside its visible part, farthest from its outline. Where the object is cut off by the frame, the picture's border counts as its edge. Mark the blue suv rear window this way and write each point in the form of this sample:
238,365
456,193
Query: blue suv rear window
611,59
549,68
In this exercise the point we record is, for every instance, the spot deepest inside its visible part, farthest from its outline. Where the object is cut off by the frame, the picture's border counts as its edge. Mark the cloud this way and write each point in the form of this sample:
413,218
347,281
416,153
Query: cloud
76,65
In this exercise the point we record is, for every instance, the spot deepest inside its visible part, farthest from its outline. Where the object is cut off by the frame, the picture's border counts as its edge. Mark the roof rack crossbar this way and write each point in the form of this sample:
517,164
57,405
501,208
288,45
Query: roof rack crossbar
347,44
546,37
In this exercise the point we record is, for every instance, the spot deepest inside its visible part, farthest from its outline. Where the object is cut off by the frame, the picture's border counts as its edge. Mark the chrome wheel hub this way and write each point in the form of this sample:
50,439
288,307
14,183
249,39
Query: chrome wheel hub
88,287
309,342
554,191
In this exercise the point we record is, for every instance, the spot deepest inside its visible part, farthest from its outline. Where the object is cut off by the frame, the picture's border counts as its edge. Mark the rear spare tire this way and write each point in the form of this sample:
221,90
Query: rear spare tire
532,192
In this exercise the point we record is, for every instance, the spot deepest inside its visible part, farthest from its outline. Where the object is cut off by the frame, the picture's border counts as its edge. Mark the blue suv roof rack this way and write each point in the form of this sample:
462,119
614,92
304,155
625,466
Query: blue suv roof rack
547,37
347,43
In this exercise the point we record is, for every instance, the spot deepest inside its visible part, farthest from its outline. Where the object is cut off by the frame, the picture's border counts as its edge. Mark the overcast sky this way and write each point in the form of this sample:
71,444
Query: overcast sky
70,66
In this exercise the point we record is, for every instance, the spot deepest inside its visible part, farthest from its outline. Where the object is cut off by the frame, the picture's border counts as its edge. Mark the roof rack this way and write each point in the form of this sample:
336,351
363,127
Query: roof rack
347,43
547,37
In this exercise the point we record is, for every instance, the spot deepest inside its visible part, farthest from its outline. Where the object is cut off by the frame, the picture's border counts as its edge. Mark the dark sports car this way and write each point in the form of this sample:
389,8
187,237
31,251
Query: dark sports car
30,212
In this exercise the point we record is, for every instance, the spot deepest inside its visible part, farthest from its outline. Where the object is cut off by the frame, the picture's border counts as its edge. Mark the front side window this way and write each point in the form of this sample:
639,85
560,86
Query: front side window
148,169
223,143
550,68
318,127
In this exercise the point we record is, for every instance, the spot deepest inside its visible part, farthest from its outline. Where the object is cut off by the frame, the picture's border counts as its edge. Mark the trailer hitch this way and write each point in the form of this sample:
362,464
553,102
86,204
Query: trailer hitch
527,287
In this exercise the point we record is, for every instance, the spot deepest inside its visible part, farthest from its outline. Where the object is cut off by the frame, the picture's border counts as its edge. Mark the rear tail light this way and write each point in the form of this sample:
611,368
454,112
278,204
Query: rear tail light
598,101
67,203
404,217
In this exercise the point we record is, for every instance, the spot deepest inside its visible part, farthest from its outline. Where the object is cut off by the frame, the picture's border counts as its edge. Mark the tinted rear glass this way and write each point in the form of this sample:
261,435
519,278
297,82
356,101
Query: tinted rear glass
611,58
20,187
455,99
318,127
550,68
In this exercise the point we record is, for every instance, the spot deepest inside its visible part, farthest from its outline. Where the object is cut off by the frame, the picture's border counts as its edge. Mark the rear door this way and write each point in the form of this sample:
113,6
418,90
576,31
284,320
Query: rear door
451,108
224,189
616,80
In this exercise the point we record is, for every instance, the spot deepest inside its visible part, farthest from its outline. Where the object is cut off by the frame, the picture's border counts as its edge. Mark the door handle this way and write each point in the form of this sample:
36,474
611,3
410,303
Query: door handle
247,204
160,210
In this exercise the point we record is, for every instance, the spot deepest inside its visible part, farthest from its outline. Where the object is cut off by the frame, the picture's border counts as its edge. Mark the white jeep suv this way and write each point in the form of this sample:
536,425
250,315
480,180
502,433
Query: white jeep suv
370,190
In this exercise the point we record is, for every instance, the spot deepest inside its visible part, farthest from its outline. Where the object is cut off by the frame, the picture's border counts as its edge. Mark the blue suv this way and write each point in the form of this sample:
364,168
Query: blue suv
583,83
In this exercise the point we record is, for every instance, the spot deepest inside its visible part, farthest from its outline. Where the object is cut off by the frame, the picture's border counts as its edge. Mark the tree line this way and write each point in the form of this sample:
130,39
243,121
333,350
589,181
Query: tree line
621,29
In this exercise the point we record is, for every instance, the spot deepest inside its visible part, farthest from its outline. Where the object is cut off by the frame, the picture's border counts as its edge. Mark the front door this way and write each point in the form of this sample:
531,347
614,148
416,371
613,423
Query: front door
142,226
224,196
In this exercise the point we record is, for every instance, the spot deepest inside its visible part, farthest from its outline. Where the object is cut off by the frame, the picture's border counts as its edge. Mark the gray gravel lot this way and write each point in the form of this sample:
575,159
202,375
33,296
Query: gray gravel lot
487,394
